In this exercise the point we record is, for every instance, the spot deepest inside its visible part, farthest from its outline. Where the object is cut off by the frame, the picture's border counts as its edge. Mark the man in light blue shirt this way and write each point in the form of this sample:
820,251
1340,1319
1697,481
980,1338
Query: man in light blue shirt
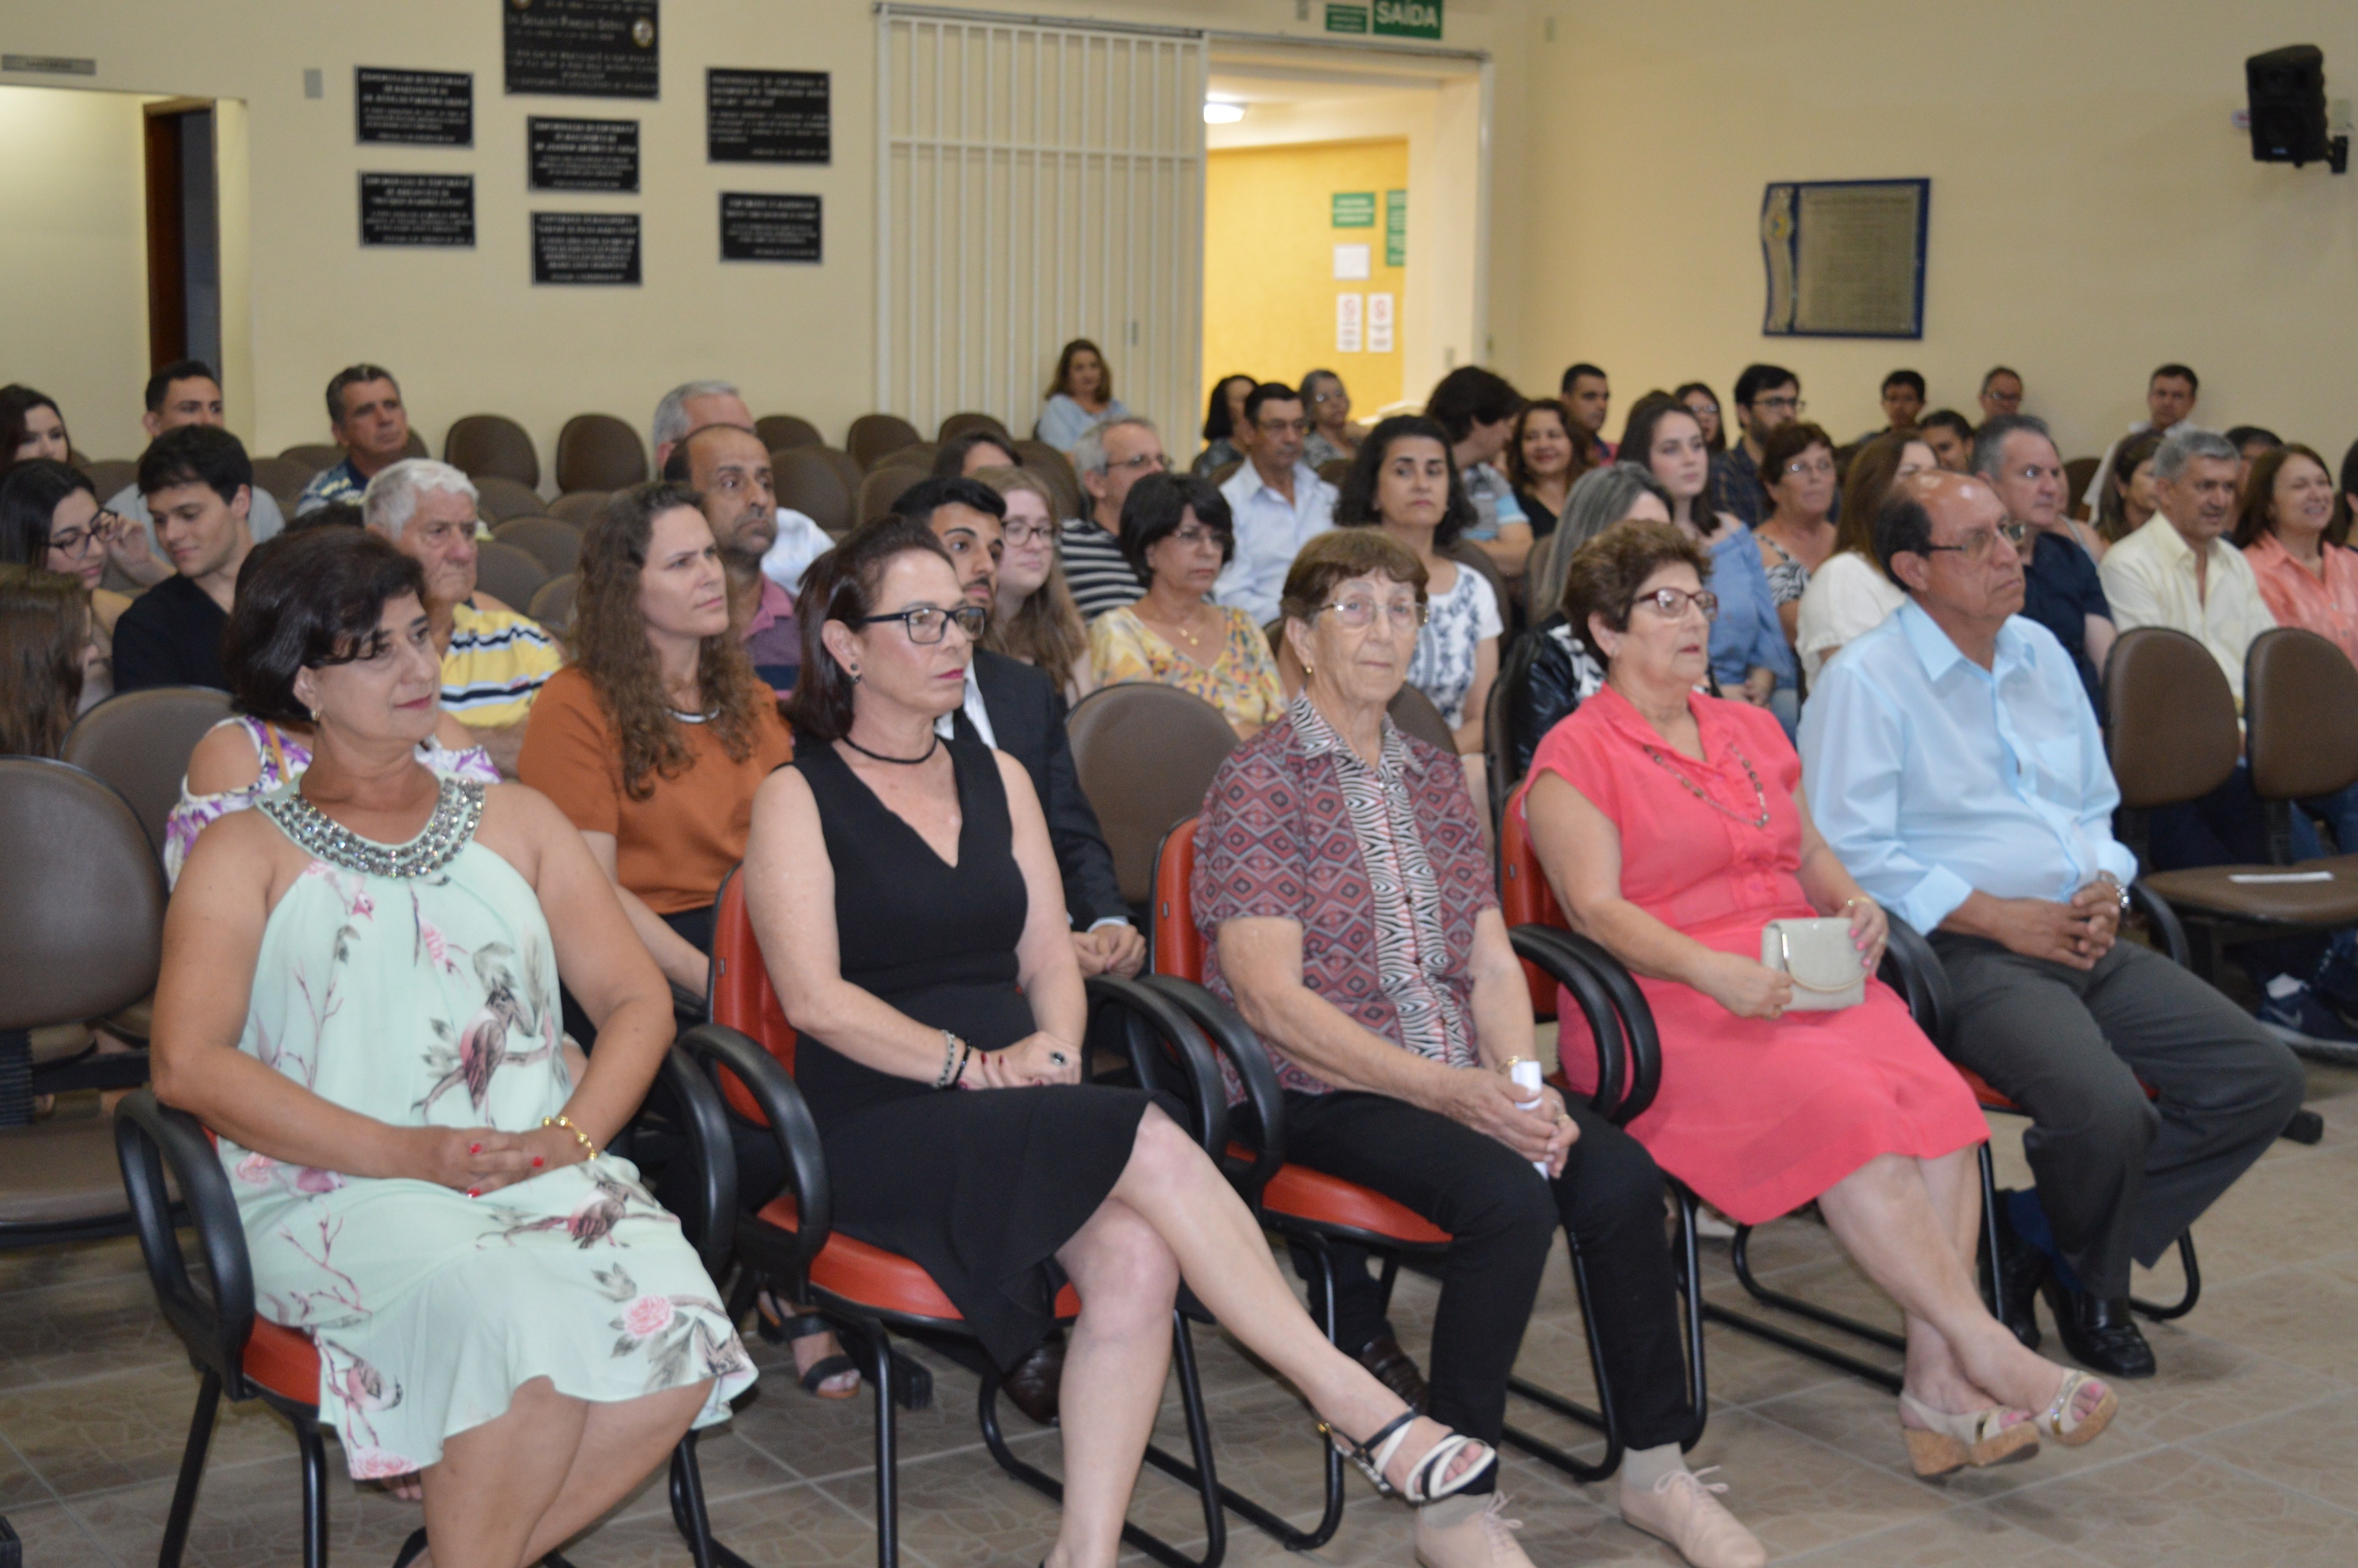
1279,502
1954,764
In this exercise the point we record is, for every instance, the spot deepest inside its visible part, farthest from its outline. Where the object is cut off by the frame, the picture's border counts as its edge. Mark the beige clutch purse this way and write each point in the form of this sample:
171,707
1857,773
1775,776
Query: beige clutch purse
1818,954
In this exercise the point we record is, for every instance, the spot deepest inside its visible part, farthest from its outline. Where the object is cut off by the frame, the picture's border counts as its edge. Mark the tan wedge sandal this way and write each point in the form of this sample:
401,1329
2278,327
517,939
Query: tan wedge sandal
2073,1431
1946,1443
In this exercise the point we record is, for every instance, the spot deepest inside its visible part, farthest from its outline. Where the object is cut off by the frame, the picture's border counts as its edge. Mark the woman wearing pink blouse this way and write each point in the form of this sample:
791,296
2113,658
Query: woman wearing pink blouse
2287,529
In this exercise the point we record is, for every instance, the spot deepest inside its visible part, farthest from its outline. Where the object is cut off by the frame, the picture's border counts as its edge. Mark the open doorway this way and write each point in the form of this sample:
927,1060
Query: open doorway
1345,215
183,190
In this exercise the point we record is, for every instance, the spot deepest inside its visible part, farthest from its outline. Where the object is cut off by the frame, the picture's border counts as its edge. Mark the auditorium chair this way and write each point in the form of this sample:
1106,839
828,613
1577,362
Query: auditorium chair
551,541
246,1356
2078,474
917,455
1502,723
316,456
416,446
848,469
959,425
598,451
872,435
1057,468
809,483
581,508
109,475
886,484
283,481
1414,714
508,574
139,742
499,499
791,1242
552,605
491,445
1145,755
780,431
1333,470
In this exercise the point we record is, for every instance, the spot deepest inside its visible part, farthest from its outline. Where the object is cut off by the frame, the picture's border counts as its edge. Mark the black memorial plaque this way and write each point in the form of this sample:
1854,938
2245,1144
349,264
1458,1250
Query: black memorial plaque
417,210
766,116
585,247
415,108
765,228
582,49
583,155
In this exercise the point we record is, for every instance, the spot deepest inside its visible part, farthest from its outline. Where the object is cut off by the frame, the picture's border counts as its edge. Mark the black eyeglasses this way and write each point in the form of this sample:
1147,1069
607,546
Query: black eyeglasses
1670,603
927,624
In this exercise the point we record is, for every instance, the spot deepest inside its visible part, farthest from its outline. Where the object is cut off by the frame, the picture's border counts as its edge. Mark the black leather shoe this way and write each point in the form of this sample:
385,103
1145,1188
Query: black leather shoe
1032,1383
2021,1270
2101,1334
1394,1370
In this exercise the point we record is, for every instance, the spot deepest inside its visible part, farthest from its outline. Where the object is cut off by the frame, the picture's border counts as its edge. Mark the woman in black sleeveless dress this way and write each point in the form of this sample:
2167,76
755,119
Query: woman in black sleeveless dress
910,913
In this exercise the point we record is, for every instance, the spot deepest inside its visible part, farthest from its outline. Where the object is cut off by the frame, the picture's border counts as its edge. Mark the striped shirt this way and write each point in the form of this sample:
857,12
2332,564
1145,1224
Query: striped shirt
1096,569
496,665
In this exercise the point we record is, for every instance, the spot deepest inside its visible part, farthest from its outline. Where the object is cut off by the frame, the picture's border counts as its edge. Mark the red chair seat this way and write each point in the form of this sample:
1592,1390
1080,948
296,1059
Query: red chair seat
853,1271
1298,1192
283,1360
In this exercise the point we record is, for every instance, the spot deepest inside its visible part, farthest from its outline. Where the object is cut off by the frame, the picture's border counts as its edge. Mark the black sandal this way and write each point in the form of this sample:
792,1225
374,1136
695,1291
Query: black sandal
801,1325
415,1548
1425,1483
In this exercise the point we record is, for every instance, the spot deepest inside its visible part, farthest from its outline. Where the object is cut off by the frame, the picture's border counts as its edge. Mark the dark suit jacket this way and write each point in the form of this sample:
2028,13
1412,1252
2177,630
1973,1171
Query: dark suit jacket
1027,713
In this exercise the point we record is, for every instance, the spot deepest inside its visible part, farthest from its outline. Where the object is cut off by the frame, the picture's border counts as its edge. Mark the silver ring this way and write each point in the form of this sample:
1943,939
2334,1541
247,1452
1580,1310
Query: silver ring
1057,1057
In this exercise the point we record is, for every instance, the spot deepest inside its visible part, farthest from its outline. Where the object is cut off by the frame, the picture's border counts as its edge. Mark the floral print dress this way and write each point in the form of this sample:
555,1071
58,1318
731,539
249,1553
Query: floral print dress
418,984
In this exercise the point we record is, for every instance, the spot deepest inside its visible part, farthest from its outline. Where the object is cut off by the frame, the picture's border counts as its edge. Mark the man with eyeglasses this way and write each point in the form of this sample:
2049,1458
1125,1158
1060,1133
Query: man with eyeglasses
1955,768
1111,456
2001,393
729,468
1279,502
1766,397
2061,590
184,393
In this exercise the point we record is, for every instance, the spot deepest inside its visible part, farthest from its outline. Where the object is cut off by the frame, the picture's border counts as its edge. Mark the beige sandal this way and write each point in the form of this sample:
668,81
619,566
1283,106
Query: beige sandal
1948,1443
2073,1431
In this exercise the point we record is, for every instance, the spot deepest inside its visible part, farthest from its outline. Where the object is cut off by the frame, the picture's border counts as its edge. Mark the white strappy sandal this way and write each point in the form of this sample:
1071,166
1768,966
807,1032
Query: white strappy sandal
1423,1484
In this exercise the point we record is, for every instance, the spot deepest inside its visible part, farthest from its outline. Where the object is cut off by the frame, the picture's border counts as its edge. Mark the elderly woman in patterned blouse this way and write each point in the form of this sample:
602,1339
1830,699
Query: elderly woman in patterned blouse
1348,905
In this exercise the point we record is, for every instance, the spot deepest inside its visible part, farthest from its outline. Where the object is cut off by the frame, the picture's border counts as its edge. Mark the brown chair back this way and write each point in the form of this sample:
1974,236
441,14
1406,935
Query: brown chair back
918,455
415,446
139,742
2301,706
581,508
2173,735
1145,756
552,605
1057,471
508,574
282,480
888,483
1333,470
109,475
2078,474
1415,714
872,435
553,542
483,446
598,451
848,469
314,456
966,424
498,500
809,482
81,896
780,431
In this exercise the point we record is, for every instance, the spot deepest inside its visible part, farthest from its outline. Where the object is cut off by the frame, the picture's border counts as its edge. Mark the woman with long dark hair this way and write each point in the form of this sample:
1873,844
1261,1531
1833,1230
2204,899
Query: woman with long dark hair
48,644
1546,455
31,427
1222,419
1081,395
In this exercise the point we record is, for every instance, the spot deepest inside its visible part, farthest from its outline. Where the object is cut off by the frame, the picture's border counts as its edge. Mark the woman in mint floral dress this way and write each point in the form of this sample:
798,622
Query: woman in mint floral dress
359,996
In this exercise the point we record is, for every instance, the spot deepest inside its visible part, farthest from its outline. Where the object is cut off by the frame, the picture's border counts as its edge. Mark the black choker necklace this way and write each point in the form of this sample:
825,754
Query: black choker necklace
899,761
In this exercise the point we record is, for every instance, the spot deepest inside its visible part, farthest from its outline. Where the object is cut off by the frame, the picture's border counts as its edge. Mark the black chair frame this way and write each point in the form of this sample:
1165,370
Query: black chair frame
215,1319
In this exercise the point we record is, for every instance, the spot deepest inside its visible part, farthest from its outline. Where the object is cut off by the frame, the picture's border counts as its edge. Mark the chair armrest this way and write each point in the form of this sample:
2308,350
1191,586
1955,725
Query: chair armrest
1916,972
150,1139
1542,945
720,1049
712,1155
1150,1018
1224,1030
2164,921
1642,1041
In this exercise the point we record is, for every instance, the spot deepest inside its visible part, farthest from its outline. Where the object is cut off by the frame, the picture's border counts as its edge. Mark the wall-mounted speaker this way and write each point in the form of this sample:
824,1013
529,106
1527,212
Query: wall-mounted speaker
2288,108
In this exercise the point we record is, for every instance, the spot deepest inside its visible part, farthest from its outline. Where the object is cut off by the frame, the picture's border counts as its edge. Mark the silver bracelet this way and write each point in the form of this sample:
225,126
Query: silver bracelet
953,1059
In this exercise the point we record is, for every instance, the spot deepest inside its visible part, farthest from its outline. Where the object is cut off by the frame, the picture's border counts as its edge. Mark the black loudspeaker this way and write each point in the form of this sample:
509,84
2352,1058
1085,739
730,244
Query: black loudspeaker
2287,109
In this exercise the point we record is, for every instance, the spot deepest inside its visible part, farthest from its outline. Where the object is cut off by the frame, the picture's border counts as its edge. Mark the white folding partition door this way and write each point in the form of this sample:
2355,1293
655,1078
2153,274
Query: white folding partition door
1036,183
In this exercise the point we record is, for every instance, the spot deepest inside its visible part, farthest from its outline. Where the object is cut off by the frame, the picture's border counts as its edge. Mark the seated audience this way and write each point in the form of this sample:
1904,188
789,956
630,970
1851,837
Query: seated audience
1797,468
2001,393
797,539
1950,435
2061,589
1902,396
1584,390
2131,495
1765,397
2251,441
1405,481
48,644
1546,454
1672,828
495,660
367,418
906,894
2169,396
1598,500
1333,436
1109,458
1082,396
1849,593
1476,409
184,391
965,456
1278,503
1177,534
2287,530
359,997
50,521
2176,571
243,758
31,427
1703,402
729,468
198,486
1346,904
1958,770
1225,413
1559,673
1034,618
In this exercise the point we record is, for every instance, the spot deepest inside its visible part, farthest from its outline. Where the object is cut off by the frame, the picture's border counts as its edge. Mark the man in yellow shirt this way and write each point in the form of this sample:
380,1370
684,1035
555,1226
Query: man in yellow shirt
494,660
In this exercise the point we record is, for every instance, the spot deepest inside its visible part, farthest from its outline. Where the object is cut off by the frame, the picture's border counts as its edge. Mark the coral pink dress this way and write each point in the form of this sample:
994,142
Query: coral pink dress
1758,1116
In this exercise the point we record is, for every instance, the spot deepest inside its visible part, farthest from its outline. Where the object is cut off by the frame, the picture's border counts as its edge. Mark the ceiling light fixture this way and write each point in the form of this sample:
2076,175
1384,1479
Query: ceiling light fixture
1219,114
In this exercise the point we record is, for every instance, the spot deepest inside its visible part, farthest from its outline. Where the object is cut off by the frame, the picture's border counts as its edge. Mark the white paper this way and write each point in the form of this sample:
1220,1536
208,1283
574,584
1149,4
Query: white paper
1525,1075
2280,877
1379,323
1351,262
1347,322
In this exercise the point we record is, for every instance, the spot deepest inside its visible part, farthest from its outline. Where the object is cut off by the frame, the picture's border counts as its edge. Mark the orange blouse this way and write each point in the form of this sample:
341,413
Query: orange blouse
2296,597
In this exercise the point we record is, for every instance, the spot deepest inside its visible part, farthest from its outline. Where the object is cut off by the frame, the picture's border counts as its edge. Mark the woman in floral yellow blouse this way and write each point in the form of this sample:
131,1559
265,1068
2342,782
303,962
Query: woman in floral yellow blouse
1177,534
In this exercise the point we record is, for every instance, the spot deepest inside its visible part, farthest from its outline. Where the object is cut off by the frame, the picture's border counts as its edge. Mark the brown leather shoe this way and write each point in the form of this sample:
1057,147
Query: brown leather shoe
1032,1383
1394,1370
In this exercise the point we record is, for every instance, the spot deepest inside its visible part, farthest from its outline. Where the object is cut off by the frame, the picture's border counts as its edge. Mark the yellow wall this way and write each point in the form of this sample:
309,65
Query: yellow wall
1269,263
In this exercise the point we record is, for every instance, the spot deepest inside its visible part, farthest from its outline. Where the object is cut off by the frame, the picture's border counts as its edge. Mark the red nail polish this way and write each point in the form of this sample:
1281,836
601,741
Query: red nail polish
473,1194
474,1148
536,1161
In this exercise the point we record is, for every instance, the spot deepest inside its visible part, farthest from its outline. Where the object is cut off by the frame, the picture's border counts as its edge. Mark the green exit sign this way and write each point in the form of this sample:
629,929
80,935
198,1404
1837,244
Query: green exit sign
1355,210
1409,18
1347,18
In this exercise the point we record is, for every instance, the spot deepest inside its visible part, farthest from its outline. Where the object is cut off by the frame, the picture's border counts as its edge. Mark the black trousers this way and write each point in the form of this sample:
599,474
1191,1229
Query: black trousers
2120,1176
1503,1215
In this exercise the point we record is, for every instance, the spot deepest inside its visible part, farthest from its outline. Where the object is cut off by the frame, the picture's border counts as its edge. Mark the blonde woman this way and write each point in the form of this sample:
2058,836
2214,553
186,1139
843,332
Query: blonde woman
1034,618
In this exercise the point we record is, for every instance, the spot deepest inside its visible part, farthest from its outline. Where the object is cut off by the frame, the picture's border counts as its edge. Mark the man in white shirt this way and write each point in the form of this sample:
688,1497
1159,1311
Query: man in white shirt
184,391
693,405
2169,394
2178,571
1279,502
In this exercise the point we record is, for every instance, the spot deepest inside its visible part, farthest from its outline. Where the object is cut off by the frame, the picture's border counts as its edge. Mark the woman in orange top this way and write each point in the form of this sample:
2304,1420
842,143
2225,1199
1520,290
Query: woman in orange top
2289,534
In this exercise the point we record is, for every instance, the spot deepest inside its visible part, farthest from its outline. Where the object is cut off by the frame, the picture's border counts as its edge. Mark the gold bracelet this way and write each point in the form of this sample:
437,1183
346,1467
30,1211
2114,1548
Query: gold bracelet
564,1121
1507,1067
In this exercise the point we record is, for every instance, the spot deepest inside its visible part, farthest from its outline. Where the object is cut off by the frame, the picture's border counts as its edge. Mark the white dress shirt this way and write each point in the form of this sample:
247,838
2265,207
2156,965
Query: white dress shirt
2150,578
1270,531
1931,778
801,541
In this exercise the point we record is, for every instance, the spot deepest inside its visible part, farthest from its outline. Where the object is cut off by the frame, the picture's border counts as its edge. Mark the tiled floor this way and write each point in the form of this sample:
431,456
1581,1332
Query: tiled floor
2244,1451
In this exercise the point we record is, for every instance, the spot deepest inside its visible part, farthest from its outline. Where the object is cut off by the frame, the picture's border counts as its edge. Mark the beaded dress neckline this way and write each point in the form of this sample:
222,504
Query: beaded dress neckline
457,811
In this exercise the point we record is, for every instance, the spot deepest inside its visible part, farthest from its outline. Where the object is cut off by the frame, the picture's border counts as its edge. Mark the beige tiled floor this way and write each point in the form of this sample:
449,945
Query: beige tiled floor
2244,1451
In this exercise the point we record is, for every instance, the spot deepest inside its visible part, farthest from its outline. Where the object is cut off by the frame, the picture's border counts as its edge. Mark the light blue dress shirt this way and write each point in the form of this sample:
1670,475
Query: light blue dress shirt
1931,777
1270,531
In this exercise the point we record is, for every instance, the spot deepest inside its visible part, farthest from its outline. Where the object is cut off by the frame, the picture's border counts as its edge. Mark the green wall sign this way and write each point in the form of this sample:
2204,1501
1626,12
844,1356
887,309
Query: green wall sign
1395,228
1355,210
1409,18
1347,18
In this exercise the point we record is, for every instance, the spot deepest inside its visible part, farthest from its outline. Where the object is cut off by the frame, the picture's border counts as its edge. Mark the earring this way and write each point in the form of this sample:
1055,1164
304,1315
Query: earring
855,678
1307,670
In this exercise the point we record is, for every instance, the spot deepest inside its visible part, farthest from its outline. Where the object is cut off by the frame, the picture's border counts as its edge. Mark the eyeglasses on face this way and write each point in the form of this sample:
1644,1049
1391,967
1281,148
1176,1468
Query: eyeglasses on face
1143,461
1977,544
1281,426
1822,468
1358,614
1670,603
1704,405
1337,396
927,624
79,541
1781,405
1197,536
1020,534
